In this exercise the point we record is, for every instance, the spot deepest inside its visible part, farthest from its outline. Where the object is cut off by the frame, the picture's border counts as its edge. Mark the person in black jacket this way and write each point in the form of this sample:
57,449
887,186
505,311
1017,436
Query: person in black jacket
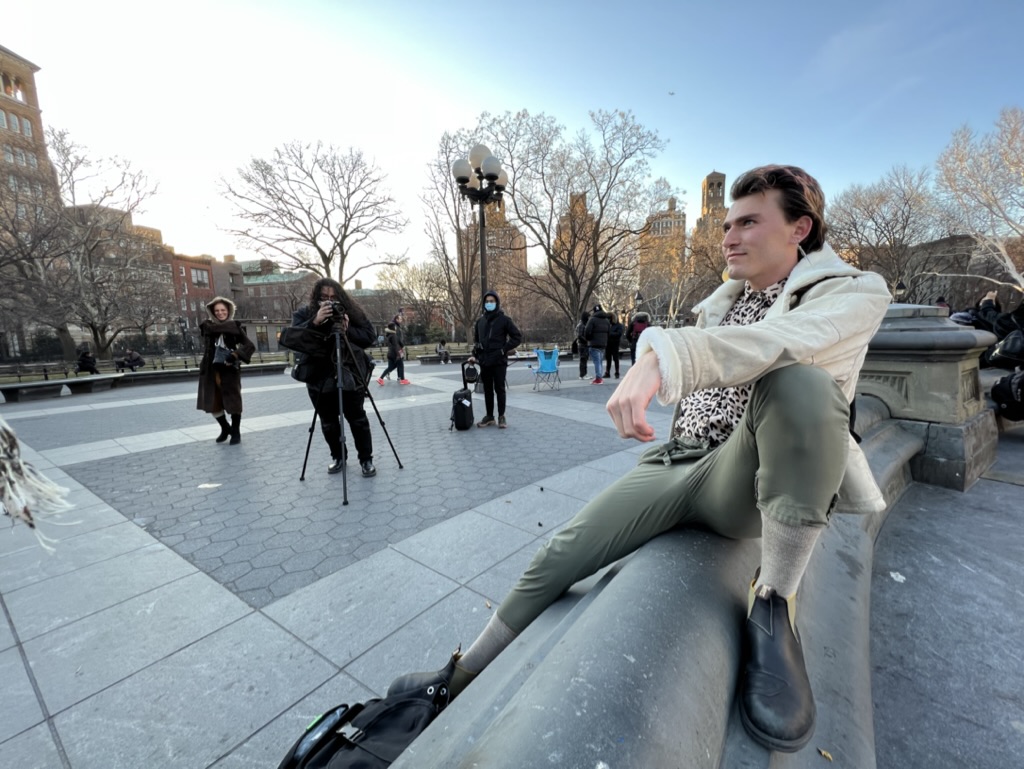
321,314
86,362
396,350
580,343
597,337
494,337
611,352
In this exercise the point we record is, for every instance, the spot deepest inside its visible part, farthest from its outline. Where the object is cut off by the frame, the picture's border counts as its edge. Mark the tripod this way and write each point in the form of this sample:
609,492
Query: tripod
362,381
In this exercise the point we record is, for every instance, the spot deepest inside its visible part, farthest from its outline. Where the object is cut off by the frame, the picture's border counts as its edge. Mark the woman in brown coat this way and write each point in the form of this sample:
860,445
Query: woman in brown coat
220,384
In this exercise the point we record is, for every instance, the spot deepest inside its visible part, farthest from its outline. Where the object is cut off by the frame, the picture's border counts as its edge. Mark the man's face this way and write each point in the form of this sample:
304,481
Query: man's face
327,294
760,246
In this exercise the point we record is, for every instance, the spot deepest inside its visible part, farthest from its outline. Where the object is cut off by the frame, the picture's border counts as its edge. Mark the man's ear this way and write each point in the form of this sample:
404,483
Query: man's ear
802,229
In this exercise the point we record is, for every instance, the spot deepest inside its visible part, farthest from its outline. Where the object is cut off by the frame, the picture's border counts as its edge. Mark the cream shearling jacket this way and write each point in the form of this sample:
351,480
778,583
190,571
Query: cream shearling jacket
825,317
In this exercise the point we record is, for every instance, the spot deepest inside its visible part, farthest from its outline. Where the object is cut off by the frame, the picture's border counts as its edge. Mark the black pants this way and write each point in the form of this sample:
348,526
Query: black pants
584,357
326,404
611,353
493,378
395,363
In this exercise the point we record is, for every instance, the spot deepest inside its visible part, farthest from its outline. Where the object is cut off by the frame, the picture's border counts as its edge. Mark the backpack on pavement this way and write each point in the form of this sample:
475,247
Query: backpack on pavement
1008,397
462,400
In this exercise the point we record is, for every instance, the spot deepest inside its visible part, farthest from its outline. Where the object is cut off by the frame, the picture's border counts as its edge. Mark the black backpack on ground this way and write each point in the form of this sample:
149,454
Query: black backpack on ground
366,735
462,400
1008,397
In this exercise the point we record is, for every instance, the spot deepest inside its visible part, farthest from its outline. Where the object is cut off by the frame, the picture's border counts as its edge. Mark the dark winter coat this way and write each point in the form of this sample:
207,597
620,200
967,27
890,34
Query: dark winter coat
228,396
395,339
597,329
360,335
637,325
615,335
495,336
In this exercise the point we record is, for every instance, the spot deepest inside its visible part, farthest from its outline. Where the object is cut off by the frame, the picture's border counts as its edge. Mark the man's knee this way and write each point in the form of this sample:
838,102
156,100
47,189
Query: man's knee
804,395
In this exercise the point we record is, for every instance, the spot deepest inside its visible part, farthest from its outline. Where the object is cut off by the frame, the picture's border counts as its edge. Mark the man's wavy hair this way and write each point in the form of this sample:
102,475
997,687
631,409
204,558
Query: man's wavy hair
801,195
355,313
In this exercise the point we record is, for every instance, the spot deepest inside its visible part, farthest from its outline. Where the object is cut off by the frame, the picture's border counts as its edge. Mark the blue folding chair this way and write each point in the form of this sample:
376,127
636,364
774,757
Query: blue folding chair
546,372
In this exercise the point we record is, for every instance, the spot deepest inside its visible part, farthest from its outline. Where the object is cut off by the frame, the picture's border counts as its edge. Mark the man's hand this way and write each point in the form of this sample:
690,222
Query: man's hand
322,314
628,404
990,296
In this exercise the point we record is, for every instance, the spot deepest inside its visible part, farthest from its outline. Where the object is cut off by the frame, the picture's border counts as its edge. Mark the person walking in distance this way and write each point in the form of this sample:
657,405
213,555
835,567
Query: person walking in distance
596,333
396,350
637,324
494,337
582,347
760,443
611,352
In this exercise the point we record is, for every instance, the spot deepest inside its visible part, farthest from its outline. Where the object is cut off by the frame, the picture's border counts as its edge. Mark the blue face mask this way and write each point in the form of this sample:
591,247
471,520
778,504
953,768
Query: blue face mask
490,306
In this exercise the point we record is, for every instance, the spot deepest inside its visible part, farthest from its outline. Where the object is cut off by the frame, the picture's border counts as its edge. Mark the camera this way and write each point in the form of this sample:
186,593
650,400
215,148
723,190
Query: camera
337,309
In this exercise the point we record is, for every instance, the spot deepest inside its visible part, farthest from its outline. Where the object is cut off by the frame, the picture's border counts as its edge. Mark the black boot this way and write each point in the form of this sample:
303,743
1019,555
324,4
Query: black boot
225,429
236,436
776,703
332,435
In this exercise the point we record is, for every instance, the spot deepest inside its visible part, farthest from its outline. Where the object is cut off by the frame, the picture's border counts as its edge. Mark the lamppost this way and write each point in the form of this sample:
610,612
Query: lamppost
900,291
183,325
481,179
638,300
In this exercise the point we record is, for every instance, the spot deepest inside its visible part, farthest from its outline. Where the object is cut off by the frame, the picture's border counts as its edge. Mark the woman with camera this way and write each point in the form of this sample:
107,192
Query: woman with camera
330,306
220,382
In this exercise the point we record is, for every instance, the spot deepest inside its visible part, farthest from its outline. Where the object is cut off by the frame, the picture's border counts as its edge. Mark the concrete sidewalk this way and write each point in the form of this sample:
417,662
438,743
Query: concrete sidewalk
203,604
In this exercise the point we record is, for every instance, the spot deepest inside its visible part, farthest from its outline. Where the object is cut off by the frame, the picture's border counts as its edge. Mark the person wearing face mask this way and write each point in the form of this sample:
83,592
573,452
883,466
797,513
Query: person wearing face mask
494,337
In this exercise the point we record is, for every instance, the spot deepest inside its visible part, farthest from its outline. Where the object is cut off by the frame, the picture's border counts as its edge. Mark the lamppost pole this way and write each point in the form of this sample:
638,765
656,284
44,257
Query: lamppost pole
481,180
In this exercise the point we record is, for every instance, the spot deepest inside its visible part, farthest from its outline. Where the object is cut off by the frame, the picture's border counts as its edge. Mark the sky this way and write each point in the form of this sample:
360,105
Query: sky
191,90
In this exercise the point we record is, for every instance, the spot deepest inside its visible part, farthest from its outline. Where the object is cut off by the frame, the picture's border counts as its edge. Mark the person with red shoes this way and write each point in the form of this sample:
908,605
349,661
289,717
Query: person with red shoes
596,334
396,350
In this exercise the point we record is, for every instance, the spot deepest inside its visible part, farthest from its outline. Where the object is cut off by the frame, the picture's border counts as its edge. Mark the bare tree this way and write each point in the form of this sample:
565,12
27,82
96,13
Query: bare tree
984,177
74,256
421,289
581,200
311,205
879,226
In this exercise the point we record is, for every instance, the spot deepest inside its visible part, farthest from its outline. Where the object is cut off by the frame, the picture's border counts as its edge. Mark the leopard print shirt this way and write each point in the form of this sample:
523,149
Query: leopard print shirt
711,415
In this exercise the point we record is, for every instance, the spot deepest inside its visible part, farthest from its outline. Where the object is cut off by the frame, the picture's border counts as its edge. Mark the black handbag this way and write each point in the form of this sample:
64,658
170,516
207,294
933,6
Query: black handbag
220,356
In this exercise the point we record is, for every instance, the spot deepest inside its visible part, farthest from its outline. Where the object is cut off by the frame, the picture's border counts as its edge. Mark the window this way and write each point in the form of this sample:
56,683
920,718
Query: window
14,124
201,278
184,288
12,182
19,156
38,188
3,119
22,211
193,306
32,160
26,127
249,291
181,270
184,305
8,153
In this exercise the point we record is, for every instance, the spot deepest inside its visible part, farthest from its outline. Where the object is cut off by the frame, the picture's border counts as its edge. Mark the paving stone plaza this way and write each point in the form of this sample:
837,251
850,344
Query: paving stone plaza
204,604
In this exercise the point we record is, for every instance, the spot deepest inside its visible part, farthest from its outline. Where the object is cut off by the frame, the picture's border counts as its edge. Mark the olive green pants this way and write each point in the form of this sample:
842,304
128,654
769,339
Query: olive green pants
785,459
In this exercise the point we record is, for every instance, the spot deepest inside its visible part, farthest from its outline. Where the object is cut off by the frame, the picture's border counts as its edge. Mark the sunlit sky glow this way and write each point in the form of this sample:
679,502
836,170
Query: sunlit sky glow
190,90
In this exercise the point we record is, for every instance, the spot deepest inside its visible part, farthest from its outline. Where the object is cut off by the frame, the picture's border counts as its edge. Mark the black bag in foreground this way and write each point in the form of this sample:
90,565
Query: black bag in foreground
368,735
1008,396
462,402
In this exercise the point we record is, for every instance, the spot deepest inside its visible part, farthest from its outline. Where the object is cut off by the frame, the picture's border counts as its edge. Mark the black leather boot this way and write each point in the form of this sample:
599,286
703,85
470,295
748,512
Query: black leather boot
236,436
426,684
225,429
776,703
332,435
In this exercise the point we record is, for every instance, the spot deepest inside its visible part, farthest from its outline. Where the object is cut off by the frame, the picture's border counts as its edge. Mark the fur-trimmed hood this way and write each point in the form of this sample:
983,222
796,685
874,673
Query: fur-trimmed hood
219,300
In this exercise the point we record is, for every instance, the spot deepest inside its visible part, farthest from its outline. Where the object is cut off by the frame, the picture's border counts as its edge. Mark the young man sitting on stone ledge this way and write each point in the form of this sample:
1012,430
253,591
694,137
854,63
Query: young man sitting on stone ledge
760,444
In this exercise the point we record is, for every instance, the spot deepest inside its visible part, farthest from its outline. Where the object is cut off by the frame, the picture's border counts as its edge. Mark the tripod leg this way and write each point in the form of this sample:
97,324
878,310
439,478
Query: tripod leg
366,392
363,383
312,427
341,414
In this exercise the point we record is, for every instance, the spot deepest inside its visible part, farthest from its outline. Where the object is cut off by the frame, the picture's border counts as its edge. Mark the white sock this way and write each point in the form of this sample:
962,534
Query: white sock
785,552
488,645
